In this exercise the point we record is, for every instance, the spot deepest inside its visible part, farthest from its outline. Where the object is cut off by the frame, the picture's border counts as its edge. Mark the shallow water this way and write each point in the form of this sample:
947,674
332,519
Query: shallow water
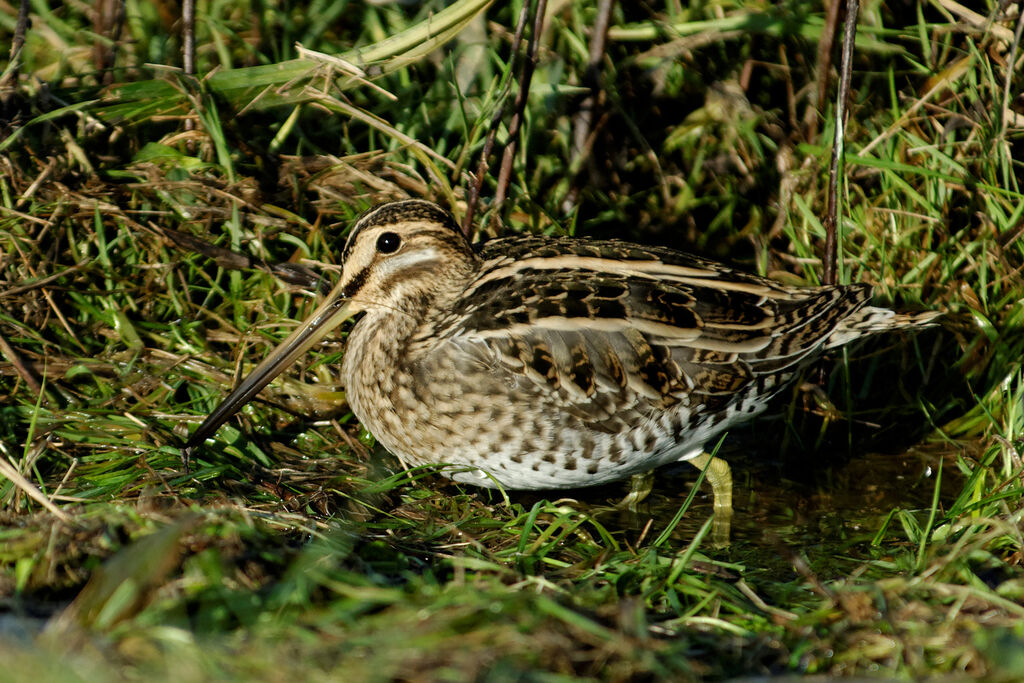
838,508
782,507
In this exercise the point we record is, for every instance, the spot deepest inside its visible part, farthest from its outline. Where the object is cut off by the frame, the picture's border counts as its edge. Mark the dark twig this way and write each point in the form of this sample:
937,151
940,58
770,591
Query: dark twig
525,76
499,111
18,41
21,367
188,36
831,218
188,45
1007,83
828,40
108,25
584,123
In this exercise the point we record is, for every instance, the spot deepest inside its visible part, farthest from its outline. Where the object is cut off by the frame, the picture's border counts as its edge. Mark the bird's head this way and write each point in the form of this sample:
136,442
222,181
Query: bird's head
399,258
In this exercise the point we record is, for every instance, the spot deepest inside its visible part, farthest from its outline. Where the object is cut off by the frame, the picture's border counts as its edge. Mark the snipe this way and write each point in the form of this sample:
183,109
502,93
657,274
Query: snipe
543,363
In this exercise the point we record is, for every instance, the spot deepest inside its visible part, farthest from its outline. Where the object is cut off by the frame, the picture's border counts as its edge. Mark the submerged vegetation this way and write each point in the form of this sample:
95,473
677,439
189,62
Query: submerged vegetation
160,232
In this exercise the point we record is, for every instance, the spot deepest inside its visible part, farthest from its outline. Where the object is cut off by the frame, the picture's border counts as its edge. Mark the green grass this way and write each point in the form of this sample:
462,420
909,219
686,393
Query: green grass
877,523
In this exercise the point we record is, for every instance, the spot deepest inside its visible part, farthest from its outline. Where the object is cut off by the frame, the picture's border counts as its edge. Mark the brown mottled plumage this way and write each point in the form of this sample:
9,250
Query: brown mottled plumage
543,363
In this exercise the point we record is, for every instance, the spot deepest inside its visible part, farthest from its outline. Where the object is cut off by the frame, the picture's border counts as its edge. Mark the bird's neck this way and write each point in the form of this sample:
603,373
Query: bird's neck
387,333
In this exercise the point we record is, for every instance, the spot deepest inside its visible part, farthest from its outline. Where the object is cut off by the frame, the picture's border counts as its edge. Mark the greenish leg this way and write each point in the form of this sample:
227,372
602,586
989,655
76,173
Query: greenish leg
719,475
640,486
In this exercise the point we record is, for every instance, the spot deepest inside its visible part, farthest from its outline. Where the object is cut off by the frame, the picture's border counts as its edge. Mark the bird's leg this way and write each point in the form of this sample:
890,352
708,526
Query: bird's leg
719,475
640,486
320,399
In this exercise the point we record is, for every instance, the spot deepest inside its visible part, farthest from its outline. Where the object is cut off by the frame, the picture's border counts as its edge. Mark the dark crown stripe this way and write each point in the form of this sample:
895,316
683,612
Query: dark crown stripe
394,213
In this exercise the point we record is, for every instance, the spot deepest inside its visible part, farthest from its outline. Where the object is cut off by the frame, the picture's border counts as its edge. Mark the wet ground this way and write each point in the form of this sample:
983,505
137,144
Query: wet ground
785,513
783,509
827,517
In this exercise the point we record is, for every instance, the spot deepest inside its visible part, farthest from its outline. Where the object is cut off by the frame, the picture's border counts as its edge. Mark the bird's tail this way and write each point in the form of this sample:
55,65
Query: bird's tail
874,320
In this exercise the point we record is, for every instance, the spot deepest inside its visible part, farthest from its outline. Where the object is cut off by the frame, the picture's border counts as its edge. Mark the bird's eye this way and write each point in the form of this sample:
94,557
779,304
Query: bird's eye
388,242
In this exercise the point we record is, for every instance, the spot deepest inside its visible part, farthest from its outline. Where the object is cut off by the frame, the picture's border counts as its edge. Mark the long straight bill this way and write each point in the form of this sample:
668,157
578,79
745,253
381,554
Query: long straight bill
331,313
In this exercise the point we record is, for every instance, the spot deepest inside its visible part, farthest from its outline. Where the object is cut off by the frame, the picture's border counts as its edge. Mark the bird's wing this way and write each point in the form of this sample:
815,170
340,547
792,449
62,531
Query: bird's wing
607,329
